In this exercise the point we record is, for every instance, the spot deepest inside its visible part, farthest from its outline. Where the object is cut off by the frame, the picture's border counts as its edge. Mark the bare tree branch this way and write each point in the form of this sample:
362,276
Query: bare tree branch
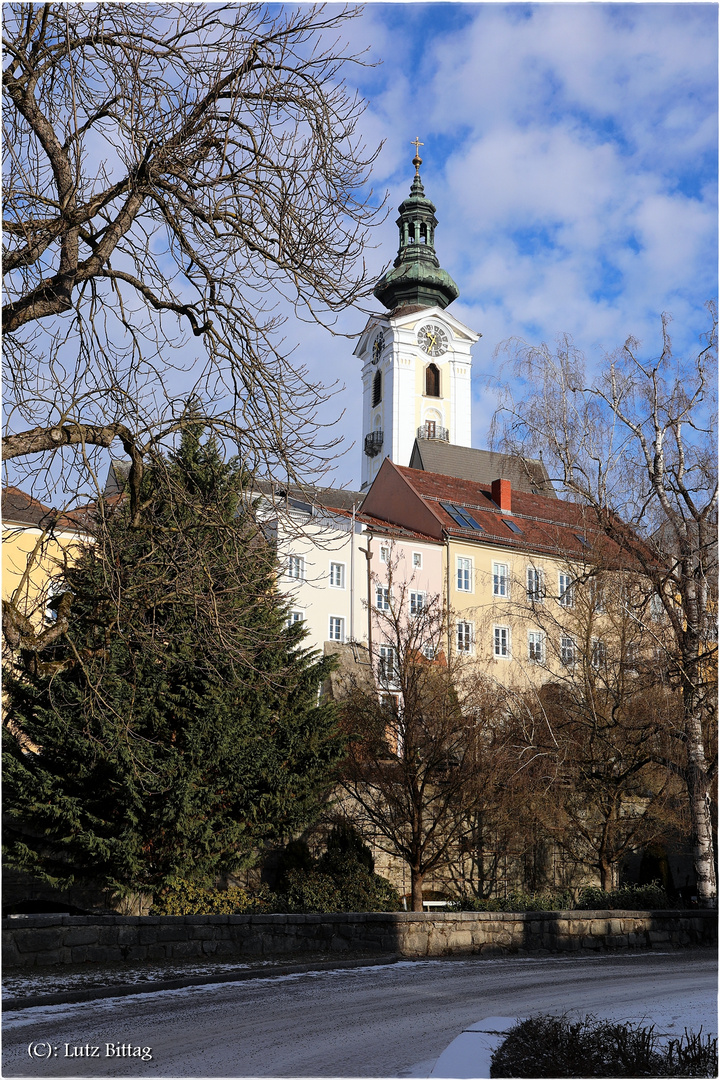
178,179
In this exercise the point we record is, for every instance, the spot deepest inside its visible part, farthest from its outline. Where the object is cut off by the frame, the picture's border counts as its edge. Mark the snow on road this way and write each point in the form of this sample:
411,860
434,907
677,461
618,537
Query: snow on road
365,1022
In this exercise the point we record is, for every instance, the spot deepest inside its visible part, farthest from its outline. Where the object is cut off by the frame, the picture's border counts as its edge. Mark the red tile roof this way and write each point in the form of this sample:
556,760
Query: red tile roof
388,528
19,507
547,525
391,529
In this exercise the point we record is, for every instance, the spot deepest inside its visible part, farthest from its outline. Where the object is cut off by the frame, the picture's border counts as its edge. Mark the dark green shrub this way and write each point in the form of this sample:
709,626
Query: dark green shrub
551,1046
344,840
309,891
342,879
349,888
296,856
629,898
517,901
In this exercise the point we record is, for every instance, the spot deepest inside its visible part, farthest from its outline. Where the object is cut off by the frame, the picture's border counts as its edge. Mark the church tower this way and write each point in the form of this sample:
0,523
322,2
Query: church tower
415,357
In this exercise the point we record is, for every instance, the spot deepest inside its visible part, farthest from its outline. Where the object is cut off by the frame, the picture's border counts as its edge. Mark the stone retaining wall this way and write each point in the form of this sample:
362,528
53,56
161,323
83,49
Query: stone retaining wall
30,941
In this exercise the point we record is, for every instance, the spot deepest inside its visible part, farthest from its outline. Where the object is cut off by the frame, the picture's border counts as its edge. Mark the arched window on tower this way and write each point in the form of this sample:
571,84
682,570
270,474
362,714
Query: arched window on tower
423,233
377,389
432,381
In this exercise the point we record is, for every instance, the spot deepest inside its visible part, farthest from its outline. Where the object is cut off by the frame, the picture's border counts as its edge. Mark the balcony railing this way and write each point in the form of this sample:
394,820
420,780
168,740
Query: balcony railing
373,443
431,430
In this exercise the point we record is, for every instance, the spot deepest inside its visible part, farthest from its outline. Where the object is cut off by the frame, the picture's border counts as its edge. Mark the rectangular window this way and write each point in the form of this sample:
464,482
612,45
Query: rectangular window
382,598
295,617
464,637
632,656
568,651
53,595
417,560
656,607
417,602
391,702
464,575
598,653
337,628
501,579
535,589
384,554
536,647
387,665
565,590
337,575
597,598
296,567
501,642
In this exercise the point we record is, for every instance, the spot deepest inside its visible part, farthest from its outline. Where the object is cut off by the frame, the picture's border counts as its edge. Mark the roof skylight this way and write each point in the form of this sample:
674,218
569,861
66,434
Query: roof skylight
461,516
512,526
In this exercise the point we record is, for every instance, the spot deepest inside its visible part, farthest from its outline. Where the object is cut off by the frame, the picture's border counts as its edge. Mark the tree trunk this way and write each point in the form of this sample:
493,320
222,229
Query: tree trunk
606,876
416,878
697,784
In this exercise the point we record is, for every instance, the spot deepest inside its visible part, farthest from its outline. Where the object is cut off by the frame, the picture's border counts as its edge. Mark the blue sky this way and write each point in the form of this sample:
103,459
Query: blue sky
571,152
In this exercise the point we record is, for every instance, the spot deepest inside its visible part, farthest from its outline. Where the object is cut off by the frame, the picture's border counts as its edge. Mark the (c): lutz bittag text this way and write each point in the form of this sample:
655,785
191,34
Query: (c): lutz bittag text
107,1050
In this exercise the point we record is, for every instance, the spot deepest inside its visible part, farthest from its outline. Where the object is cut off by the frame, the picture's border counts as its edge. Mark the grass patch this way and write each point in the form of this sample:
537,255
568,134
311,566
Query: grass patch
555,1046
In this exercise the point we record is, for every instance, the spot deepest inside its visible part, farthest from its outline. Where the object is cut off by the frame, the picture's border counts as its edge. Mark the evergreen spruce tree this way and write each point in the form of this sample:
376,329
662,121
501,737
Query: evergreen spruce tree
178,725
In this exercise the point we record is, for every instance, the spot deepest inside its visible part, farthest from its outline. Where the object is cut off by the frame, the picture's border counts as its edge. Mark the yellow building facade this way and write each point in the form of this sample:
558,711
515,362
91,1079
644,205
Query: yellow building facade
36,544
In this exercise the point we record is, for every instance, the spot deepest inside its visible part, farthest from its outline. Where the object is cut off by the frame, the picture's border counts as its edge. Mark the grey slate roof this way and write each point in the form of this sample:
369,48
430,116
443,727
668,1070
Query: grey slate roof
481,466
326,497
117,476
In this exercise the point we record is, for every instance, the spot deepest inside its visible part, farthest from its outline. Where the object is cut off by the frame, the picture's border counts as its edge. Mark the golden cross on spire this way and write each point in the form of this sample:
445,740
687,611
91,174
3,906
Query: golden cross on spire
417,160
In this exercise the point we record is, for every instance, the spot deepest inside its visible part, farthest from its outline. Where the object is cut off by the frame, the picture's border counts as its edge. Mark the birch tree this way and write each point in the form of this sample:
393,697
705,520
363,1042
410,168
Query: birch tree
637,441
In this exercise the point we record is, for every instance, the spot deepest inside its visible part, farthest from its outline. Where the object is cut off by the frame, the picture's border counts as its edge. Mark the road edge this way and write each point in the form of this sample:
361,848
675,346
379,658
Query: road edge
73,997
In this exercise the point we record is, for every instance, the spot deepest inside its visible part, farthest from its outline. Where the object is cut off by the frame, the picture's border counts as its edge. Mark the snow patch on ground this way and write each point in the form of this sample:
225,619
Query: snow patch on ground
671,1019
469,1056
13,1018
66,978
86,977
38,982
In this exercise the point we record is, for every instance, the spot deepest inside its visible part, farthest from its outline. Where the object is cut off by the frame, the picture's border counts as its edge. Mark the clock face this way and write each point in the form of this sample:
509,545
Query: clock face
432,339
378,346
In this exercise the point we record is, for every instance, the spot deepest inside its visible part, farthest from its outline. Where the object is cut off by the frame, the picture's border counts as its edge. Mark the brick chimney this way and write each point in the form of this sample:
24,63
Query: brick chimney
502,495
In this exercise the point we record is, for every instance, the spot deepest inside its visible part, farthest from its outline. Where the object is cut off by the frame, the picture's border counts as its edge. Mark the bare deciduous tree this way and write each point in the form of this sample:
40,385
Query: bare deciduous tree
597,741
424,757
176,177
638,444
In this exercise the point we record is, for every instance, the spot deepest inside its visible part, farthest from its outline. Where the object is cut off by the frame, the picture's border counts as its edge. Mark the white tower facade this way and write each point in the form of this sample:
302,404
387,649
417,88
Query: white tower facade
416,358
416,369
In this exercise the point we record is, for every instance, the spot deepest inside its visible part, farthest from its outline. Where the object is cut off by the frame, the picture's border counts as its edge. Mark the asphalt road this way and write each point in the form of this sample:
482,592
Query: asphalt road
390,1021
